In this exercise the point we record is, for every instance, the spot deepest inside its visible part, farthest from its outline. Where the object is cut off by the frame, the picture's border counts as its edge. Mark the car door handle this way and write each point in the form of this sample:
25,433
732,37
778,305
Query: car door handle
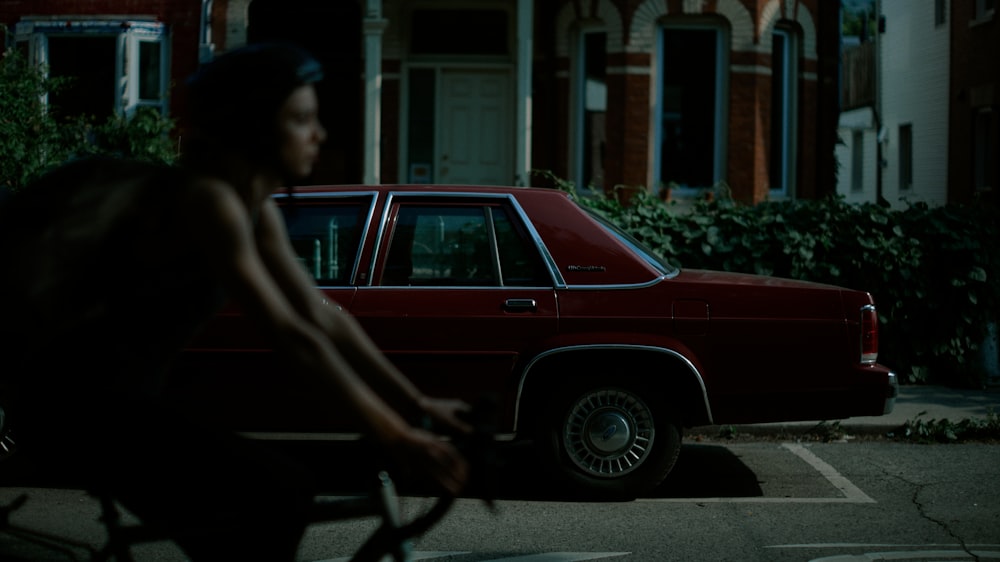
520,305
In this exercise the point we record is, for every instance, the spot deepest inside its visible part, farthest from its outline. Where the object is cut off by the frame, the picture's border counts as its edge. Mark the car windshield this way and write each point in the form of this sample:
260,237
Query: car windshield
640,249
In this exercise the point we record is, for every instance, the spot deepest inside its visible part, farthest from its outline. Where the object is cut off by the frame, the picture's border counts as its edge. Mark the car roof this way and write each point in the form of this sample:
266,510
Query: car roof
418,188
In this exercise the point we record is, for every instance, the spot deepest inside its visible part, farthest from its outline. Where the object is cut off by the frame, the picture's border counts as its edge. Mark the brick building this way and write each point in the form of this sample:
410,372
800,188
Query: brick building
682,93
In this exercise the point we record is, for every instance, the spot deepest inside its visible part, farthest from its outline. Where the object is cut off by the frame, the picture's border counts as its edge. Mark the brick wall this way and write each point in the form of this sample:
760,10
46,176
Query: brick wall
630,121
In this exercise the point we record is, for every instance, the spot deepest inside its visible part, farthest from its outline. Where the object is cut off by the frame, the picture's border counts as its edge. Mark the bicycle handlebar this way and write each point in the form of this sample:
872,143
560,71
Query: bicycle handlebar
479,449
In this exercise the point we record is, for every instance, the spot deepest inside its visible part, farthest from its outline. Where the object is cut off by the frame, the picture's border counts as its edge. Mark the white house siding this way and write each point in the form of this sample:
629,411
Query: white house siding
914,90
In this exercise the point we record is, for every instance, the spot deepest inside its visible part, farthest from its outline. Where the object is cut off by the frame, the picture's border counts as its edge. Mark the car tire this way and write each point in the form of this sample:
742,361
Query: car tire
609,442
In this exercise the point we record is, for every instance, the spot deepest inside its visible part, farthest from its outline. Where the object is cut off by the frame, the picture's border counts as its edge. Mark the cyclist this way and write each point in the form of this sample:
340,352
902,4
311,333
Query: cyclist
112,266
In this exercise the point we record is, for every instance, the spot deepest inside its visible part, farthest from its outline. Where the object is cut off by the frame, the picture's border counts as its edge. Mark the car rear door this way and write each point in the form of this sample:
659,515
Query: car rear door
459,294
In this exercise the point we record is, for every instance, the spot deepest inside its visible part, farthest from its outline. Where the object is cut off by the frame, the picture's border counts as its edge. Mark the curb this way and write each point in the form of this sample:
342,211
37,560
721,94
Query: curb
794,429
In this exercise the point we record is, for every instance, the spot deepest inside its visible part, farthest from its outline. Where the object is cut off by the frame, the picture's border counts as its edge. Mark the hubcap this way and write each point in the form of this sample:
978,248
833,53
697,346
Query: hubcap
608,433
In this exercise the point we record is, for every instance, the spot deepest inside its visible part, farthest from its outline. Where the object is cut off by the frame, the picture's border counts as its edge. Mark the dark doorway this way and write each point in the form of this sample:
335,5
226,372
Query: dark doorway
331,31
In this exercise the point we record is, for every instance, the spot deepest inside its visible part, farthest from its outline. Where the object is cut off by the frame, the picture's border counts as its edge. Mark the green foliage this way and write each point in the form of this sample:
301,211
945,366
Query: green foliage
30,140
33,141
854,20
934,271
946,431
142,136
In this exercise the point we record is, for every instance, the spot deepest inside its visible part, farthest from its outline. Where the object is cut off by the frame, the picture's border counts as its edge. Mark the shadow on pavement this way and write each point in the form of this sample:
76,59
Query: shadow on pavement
709,471
348,468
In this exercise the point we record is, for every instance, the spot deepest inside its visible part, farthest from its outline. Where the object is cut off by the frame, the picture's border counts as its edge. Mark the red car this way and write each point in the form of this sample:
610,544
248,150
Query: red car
594,348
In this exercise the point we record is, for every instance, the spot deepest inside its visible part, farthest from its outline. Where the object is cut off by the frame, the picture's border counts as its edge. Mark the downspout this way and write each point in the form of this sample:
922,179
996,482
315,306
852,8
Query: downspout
525,26
373,27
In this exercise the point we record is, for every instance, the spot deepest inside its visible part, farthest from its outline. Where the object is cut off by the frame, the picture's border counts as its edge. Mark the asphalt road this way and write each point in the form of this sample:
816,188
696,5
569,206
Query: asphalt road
746,501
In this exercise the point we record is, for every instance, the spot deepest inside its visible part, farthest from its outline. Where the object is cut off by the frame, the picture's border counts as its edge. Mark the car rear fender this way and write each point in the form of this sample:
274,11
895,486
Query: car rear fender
662,369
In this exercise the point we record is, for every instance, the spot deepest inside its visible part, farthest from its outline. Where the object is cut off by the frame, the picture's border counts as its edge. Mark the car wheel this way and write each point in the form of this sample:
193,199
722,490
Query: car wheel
610,441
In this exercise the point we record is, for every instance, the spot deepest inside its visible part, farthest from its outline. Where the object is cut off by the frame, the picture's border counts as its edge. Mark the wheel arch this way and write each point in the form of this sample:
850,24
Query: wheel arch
670,372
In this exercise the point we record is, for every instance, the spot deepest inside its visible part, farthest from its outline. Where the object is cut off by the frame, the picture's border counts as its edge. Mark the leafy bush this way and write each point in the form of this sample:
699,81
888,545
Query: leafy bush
946,431
32,140
934,271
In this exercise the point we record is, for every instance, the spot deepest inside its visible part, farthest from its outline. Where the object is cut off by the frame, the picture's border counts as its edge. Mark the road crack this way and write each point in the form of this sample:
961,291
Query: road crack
918,489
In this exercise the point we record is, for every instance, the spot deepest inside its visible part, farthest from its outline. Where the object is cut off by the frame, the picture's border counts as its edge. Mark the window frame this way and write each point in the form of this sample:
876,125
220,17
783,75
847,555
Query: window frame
366,202
578,107
786,116
984,168
721,102
905,157
940,12
129,35
857,161
547,270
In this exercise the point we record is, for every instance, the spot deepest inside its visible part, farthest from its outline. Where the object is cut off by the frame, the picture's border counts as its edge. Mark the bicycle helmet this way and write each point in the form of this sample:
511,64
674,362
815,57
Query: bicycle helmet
234,99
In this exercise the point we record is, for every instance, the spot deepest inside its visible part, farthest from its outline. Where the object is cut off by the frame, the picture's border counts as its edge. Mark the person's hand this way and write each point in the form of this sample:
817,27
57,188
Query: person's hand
429,456
447,415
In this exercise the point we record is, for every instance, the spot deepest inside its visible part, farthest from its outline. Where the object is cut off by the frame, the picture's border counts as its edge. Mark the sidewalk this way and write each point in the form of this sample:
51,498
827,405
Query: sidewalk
914,402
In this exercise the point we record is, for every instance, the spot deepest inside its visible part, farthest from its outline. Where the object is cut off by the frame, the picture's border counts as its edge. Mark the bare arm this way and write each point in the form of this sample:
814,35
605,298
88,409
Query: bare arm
343,329
223,226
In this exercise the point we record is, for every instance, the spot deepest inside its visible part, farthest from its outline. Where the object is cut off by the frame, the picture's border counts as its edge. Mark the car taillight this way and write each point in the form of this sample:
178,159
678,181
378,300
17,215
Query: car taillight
869,334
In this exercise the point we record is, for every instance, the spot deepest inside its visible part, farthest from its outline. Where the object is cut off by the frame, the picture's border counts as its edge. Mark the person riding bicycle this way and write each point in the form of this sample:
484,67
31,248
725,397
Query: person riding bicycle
112,266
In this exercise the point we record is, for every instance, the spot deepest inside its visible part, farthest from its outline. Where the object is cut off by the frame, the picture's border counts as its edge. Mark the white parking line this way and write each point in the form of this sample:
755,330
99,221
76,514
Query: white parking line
413,556
901,552
544,557
561,557
852,494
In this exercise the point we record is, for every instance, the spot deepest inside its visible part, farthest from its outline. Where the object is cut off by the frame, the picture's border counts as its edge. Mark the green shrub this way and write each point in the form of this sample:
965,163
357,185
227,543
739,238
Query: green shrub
933,271
30,139
33,140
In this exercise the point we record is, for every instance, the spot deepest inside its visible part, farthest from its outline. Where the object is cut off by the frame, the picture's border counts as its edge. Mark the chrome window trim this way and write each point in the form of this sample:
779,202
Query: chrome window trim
618,286
365,227
633,347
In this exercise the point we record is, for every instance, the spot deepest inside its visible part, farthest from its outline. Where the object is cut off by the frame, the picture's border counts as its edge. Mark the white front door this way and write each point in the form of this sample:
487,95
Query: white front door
475,128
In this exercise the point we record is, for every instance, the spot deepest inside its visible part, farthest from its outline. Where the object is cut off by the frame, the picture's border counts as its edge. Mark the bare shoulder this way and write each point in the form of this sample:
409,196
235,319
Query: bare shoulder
216,201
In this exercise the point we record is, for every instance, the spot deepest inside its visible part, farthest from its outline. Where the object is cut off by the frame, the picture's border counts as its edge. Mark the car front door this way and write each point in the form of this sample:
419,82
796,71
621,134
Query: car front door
459,296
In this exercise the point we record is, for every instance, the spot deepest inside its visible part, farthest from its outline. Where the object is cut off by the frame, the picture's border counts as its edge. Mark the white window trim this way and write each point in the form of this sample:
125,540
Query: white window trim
128,33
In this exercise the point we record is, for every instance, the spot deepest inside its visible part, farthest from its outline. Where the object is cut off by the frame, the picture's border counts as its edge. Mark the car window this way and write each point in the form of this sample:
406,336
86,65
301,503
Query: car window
452,246
326,238
520,264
